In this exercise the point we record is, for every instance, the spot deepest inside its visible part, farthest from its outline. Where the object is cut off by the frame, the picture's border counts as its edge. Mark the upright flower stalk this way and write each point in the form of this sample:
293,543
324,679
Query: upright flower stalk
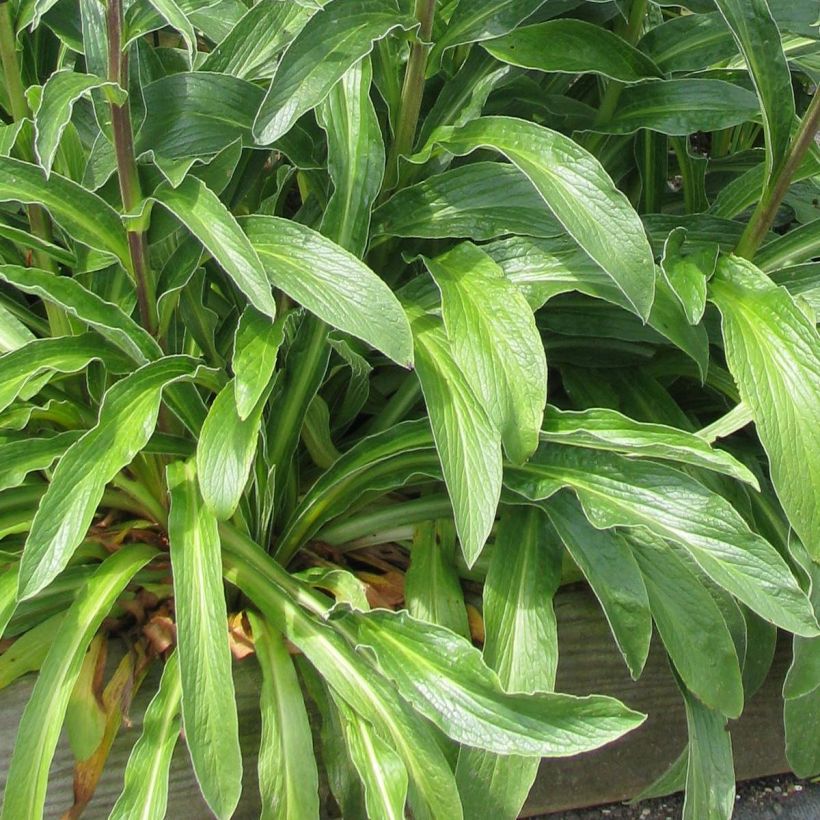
130,191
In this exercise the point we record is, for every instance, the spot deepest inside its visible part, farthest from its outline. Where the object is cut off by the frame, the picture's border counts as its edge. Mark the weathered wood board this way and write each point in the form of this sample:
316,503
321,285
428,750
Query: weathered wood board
589,663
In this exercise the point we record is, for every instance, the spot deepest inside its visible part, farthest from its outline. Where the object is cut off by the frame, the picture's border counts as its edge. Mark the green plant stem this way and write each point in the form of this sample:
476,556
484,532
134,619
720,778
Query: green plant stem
129,182
398,406
766,209
411,92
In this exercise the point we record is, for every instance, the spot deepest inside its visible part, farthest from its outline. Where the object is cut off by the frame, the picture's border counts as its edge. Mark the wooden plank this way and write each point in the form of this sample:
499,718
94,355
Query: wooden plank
589,663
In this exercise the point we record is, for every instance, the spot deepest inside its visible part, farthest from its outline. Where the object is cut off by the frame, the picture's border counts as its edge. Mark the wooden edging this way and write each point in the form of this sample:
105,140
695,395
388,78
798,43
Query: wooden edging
589,663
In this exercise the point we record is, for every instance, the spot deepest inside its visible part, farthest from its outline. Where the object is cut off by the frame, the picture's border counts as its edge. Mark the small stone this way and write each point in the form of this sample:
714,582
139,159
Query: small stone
645,813
778,789
798,787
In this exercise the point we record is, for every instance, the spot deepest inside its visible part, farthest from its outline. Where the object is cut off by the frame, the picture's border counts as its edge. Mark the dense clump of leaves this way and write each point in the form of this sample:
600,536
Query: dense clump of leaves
310,311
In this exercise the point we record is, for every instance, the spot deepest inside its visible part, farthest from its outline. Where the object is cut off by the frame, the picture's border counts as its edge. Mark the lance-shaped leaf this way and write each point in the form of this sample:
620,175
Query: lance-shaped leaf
85,216
573,47
145,788
476,20
444,677
679,107
127,419
688,273
759,40
60,92
468,443
332,41
621,492
255,348
480,201
604,429
347,674
208,701
703,653
521,645
613,574
42,718
176,19
288,779
105,317
332,283
355,158
773,352
576,188
199,209
225,451
19,458
494,340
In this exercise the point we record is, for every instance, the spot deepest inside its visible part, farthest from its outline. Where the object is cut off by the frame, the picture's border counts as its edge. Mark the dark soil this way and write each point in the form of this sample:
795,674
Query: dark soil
783,797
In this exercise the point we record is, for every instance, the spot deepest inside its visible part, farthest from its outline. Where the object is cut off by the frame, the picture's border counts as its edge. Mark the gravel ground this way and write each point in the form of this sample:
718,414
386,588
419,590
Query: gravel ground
773,798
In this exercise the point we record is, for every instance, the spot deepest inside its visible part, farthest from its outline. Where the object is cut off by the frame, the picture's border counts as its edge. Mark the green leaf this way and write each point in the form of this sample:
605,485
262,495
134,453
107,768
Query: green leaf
13,333
20,368
679,107
690,42
468,443
84,215
521,645
477,20
773,352
199,209
208,701
577,190
443,676
758,38
43,716
480,201
60,92
380,769
603,429
613,574
703,653
495,342
710,774
127,418
616,491
288,779
225,451
332,283
8,596
331,43
255,348
145,790
19,458
687,274
106,318
172,14
355,158
573,47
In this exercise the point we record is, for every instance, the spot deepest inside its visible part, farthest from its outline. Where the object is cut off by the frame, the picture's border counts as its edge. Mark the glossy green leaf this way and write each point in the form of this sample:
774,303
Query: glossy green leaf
200,210
106,318
208,702
19,458
43,716
494,340
577,190
60,92
84,215
521,645
758,38
331,42
573,47
773,351
604,429
145,790
355,158
127,418
610,568
8,595
616,491
176,19
679,107
445,678
255,349
703,653
690,42
468,443
288,779
225,451
332,283
480,201
688,273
